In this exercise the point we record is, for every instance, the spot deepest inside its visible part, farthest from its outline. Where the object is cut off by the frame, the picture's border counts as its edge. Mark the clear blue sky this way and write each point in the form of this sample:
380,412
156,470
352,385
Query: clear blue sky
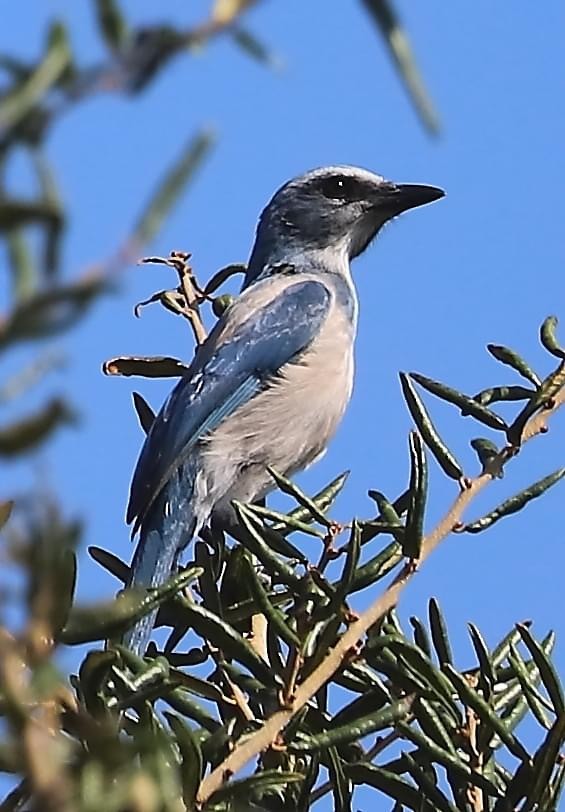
485,264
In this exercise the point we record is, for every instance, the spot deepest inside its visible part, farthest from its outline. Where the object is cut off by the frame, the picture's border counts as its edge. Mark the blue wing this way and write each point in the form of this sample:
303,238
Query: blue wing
233,374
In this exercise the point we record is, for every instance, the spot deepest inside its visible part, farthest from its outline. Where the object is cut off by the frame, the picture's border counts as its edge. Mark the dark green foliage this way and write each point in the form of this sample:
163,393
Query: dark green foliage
456,728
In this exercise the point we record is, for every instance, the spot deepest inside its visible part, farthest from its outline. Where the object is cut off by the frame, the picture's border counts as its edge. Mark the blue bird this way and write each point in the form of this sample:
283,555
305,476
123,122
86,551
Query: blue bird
272,380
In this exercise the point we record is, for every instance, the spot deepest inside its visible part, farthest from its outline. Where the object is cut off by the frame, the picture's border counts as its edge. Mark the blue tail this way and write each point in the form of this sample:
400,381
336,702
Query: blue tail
164,534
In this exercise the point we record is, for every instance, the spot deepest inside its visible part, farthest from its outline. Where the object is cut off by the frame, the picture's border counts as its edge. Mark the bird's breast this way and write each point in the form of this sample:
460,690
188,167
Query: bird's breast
291,421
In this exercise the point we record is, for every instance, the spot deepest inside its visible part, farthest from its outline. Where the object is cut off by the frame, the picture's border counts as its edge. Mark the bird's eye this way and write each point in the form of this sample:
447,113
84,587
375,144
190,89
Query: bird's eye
339,188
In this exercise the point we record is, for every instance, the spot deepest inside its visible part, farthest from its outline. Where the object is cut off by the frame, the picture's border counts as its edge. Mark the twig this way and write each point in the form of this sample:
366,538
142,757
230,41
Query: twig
267,734
381,744
238,695
190,290
189,294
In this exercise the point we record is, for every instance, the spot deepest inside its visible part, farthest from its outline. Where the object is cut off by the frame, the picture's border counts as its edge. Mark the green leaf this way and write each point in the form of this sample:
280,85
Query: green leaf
15,213
16,104
527,683
108,619
485,713
468,405
386,782
354,730
512,359
418,666
438,629
141,681
180,701
343,587
386,19
219,633
549,339
429,434
496,394
112,24
22,263
303,803
545,759
256,544
250,45
65,590
51,199
421,636
369,701
287,520
432,725
159,760
192,763
505,699
414,533
374,527
110,562
323,500
487,675
235,589
51,311
502,650
221,276
263,782
428,787
286,485
546,669
93,675
274,616
451,762
487,452
171,187
543,399
387,511
30,432
515,503
341,785
145,413
377,567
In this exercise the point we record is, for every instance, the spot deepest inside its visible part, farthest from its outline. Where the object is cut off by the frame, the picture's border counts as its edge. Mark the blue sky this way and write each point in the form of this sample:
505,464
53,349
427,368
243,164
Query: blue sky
483,265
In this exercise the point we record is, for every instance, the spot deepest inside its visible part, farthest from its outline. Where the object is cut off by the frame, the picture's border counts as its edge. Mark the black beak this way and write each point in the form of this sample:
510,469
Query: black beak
404,196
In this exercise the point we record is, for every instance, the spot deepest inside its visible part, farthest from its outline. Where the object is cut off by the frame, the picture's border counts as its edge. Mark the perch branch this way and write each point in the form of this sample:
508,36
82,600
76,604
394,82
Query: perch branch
346,647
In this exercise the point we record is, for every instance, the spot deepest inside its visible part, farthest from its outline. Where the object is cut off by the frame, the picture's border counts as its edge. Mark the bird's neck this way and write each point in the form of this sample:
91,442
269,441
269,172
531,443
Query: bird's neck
332,265
264,257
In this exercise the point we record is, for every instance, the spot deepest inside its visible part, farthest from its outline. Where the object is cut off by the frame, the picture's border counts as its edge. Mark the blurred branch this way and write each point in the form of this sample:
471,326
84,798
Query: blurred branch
29,432
51,311
396,40
170,187
18,103
30,375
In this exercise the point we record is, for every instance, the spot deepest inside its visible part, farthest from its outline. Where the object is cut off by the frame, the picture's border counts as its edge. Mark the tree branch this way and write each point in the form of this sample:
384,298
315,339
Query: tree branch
346,647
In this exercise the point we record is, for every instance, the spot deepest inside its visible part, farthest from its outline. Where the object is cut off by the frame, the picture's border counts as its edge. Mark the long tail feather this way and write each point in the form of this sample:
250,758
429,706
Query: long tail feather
164,534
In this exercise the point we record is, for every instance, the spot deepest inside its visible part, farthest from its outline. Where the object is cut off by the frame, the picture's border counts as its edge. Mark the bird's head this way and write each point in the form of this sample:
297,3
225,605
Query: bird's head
336,208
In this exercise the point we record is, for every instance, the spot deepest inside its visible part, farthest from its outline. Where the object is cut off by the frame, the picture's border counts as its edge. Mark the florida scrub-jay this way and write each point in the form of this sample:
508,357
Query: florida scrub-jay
272,380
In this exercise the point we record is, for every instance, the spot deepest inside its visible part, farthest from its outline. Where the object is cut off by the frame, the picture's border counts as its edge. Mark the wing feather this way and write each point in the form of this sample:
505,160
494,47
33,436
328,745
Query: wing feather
232,375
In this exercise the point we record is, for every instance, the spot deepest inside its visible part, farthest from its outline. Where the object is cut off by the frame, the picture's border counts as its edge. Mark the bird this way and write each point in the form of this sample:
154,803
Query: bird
271,382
